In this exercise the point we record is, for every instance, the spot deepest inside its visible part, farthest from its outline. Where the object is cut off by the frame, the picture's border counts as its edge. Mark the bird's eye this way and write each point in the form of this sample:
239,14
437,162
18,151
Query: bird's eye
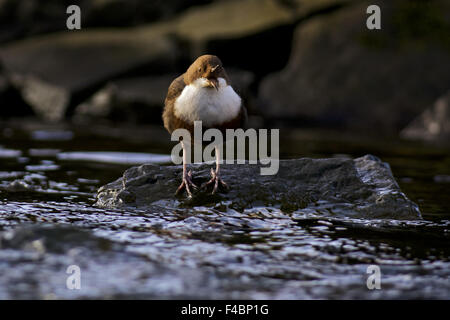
199,69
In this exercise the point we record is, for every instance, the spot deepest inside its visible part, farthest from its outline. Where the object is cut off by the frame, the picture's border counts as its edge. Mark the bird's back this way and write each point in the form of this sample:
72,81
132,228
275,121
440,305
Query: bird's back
174,91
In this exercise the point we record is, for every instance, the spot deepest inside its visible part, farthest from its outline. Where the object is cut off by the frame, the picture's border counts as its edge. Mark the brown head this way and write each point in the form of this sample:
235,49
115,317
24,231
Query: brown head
208,67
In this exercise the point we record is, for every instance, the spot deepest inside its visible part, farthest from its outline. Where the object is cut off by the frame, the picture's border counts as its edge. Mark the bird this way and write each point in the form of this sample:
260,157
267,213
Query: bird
203,93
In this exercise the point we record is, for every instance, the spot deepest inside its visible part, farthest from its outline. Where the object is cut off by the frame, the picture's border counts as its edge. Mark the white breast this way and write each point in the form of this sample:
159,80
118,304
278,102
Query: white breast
211,106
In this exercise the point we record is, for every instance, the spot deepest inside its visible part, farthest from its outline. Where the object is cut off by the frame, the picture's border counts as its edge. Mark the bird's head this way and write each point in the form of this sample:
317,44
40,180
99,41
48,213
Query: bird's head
208,69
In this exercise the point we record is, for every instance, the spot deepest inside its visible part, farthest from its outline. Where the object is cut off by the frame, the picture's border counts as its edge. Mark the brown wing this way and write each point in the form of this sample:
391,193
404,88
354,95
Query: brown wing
175,89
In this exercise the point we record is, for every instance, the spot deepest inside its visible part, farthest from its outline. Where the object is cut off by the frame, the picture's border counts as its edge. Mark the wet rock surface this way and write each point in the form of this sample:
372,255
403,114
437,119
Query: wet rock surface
363,187
213,254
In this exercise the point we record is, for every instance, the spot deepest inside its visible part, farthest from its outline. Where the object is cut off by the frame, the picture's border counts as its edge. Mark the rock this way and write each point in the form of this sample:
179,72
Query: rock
240,31
56,72
433,124
242,81
22,18
141,99
4,85
137,100
363,187
58,239
59,71
12,103
342,74
132,12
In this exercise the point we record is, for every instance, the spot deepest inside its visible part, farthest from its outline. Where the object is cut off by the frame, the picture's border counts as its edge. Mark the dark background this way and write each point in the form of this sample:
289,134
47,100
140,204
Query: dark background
297,63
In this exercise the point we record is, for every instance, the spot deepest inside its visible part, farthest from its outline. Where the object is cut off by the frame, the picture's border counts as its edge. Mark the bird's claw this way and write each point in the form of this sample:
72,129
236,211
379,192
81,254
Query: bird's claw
187,184
216,180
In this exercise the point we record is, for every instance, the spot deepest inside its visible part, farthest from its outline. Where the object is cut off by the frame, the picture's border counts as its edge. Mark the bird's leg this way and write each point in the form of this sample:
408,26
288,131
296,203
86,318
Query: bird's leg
187,176
215,175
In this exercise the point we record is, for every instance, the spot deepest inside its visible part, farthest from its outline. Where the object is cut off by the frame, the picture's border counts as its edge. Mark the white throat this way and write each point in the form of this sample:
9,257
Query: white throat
200,103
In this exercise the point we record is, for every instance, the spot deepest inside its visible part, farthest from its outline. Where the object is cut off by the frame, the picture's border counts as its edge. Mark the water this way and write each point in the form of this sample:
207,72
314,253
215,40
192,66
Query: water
48,222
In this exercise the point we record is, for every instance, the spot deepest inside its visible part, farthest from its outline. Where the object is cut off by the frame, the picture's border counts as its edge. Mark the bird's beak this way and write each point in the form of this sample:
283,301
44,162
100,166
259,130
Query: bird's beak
214,68
214,83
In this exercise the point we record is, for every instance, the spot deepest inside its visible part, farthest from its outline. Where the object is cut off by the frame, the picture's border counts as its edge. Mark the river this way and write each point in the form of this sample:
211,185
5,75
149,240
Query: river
49,221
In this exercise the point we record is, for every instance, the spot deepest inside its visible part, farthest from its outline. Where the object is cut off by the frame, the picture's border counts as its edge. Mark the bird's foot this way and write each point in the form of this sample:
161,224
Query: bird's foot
216,181
187,184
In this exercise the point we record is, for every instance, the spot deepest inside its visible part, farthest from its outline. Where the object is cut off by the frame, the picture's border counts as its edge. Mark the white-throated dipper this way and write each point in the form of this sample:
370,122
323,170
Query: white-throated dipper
203,93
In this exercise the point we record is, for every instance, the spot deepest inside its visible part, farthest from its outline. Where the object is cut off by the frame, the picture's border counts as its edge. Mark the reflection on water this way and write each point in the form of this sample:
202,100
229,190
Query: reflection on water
48,222
129,158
